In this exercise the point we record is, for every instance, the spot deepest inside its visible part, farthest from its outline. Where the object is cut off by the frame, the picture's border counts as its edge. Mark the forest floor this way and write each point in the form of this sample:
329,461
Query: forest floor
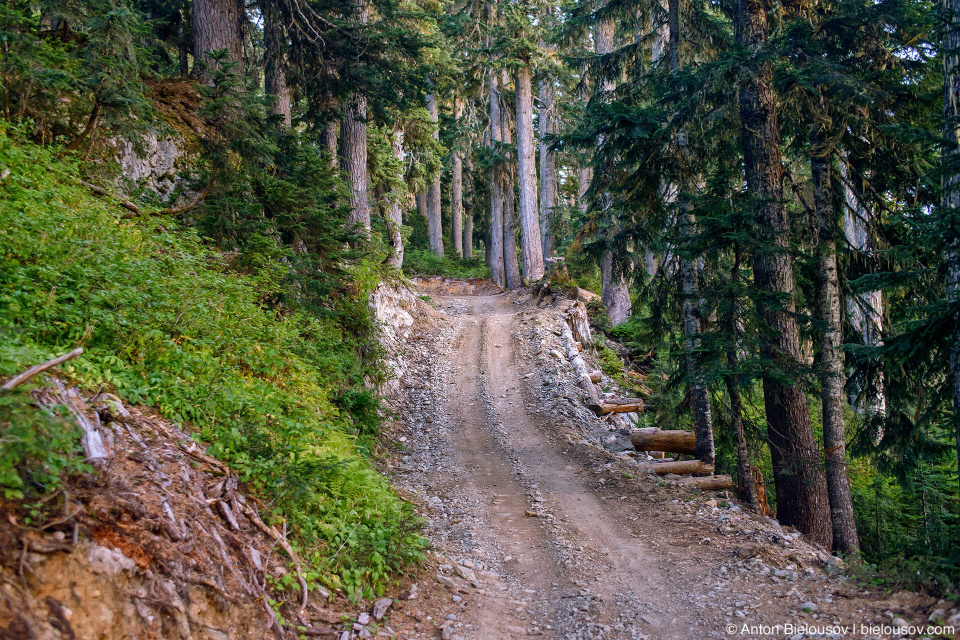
542,530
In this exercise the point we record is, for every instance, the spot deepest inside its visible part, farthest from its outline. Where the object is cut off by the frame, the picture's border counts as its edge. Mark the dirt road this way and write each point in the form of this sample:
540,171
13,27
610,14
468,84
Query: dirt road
544,533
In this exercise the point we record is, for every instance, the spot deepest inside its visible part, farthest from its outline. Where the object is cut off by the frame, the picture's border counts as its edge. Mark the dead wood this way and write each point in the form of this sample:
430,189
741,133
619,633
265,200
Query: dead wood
126,204
685,467
616,405
653,439
16,381
708,483
282,541
579,366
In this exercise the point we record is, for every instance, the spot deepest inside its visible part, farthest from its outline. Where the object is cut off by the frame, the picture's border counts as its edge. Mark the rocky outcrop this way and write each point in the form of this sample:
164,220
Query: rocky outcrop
156,164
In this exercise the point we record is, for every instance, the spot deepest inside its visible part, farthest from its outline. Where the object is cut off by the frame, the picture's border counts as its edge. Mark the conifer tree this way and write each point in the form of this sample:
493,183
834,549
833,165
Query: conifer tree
950,198
801,486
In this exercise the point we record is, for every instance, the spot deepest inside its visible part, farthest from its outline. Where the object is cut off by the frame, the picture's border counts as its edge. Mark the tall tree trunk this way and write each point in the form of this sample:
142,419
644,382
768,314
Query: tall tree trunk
584,171
434,219
354,133
394,217
548,167
950,198
329,140
456,186
613,285
831,374
275,75
468,213
800,482
744,468
690,277
511,265
531,247
183,45
496,261
865,310
217,25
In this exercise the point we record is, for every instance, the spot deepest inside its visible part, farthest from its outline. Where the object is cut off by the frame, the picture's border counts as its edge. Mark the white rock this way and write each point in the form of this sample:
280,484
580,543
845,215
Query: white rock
109,561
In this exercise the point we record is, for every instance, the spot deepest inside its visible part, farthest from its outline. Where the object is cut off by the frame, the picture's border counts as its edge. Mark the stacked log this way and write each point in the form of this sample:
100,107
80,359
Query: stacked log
653,439
708,483
617,405
684,467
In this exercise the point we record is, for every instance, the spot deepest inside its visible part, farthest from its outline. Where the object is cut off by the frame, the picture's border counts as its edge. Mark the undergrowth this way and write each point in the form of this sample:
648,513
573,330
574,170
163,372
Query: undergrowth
426,262
277,393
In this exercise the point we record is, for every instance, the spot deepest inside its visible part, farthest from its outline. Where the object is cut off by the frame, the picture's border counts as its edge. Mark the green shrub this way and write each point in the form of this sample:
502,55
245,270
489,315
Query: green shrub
37,447
277,393
426,262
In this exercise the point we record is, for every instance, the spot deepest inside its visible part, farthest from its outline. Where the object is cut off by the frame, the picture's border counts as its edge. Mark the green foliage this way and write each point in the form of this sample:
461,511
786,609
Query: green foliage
426,262
277,390
65,80
37,447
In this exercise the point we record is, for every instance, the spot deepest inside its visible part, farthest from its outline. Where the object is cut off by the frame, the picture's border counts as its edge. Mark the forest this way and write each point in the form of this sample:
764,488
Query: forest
766,196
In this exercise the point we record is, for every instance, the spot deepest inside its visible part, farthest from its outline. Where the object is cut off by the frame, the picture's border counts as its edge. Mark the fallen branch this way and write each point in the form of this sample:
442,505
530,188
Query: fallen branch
193,204
126,204
16,381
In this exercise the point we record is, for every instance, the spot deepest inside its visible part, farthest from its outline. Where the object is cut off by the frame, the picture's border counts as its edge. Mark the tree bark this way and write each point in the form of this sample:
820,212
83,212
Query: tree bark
800,482
744,468
865,310
468,213
275,75
216,25
456,187
531,246
950,198
421,199
434,219
548,168
690,276
329,137
613,286
831,371
497,271
354,133
394,217
511,265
